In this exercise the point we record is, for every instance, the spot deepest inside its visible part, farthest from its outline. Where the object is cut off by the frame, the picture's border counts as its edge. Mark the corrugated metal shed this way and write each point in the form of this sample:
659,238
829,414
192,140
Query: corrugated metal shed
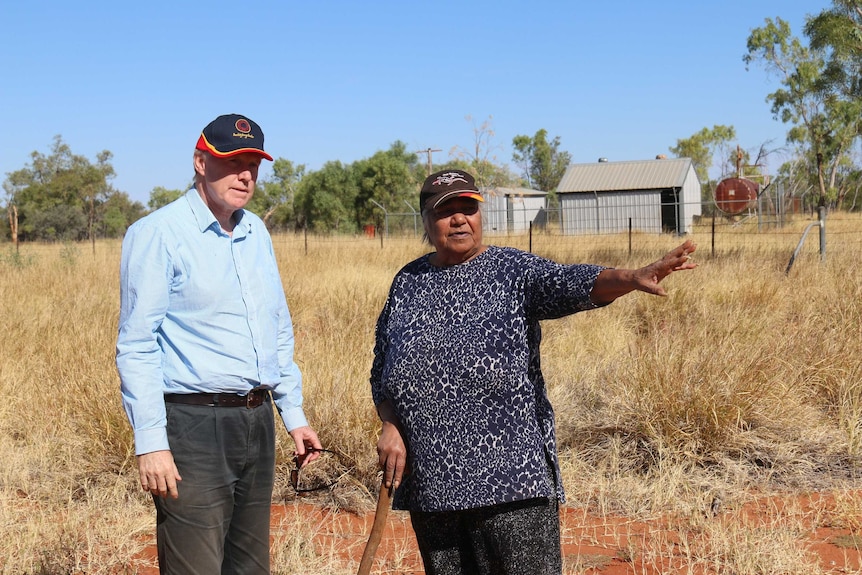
658,195
510,210
631,175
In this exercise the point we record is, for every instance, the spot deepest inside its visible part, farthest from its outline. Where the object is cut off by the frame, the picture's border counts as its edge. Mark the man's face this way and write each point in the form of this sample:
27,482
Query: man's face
228,183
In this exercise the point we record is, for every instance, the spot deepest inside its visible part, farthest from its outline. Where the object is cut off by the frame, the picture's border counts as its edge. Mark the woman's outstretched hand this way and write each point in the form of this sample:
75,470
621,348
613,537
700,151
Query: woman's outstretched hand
648,278
613,283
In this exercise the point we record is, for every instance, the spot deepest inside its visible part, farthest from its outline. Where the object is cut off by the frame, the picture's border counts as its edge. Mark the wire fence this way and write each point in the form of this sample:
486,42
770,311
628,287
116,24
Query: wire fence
753,231
610,213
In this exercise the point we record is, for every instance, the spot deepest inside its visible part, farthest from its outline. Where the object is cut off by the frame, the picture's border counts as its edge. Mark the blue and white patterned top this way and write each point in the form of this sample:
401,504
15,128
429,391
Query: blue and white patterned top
457,354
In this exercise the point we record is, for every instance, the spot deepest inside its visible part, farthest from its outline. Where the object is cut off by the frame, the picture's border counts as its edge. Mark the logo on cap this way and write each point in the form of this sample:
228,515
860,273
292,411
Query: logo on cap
243,126
448,179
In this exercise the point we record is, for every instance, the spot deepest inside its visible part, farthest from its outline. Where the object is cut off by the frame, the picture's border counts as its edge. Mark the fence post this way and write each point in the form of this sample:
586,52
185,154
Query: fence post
713,234
385,218
414,217
630,237
821,221
821,215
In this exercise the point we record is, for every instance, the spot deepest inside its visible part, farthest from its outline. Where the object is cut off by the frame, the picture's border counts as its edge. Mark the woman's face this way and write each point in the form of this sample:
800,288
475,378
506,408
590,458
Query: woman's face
455,230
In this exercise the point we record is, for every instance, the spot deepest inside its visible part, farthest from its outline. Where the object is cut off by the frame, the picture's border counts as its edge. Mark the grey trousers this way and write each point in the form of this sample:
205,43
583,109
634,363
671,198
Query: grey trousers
521,538
220,522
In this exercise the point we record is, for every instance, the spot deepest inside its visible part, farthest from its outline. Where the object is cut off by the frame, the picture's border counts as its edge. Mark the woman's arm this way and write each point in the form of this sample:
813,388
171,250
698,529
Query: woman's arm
614,283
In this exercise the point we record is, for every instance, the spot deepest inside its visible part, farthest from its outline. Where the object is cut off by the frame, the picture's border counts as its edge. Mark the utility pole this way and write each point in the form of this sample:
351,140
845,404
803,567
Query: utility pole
428,151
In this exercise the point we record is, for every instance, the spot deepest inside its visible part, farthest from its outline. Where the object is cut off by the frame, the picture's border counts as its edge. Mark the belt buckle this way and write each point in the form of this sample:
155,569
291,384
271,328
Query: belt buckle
253,399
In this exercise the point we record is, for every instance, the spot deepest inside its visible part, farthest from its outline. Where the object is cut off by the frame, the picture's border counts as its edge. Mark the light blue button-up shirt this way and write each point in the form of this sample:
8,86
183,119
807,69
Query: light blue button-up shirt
201,311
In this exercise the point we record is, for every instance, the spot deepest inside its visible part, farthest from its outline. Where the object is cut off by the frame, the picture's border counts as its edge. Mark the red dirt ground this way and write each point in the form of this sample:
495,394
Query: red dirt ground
591,545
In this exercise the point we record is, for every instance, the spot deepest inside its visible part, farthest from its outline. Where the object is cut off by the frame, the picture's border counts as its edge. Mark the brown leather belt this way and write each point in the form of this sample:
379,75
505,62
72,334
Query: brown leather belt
254,398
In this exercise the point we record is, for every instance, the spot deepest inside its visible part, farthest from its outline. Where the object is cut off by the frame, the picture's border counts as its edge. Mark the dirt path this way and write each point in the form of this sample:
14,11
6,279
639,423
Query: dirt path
591,545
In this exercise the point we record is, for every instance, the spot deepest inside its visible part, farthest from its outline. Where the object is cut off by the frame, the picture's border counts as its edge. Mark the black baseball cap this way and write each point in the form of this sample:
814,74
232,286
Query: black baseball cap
232,134
444,185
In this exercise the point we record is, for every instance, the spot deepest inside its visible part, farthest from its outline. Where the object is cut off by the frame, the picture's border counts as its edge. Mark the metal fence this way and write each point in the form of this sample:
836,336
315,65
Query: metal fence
767,225
611,213
598,220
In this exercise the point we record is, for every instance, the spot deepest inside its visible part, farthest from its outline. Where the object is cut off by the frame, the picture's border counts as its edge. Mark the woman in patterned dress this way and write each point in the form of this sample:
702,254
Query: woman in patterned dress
468,437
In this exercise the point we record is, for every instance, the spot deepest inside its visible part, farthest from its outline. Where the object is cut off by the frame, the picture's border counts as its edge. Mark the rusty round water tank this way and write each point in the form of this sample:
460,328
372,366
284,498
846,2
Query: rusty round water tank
735,195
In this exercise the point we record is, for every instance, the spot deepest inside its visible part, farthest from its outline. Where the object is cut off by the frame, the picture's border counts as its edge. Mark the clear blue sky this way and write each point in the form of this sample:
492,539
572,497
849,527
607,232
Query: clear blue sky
340,80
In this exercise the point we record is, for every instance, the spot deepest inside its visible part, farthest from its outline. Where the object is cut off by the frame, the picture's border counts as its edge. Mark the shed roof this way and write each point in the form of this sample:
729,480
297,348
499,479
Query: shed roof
631,175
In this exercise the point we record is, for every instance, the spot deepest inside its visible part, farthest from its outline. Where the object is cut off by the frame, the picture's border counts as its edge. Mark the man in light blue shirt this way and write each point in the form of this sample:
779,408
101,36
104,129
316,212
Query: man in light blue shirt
205,347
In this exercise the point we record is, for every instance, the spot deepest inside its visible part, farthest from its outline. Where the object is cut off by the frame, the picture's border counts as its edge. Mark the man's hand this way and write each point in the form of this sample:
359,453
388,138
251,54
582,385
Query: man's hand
306,442
159,474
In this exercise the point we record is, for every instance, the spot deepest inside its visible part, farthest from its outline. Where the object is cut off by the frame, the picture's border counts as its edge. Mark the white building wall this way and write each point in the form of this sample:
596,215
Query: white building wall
510,213
690,199
494,214
523,210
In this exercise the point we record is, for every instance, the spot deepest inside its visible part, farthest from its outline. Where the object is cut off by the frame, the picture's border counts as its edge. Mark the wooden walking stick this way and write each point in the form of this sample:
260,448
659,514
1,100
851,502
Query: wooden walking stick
384,501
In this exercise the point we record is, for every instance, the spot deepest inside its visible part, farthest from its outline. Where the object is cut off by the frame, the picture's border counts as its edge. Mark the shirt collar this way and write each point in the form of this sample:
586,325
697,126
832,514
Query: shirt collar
205,218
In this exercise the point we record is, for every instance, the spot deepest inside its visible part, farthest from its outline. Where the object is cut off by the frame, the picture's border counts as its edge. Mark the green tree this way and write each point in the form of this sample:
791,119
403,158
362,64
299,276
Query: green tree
274,198
702,146
823,124
388,178
837,31
97,191
160,197
542,162
59,222
325,198
118,212
59,196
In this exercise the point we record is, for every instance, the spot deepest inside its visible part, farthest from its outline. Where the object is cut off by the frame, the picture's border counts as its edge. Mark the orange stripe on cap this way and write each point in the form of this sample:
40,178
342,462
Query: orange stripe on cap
204,145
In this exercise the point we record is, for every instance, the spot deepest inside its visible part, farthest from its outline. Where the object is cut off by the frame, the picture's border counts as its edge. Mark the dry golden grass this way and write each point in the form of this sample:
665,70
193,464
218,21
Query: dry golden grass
743,381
